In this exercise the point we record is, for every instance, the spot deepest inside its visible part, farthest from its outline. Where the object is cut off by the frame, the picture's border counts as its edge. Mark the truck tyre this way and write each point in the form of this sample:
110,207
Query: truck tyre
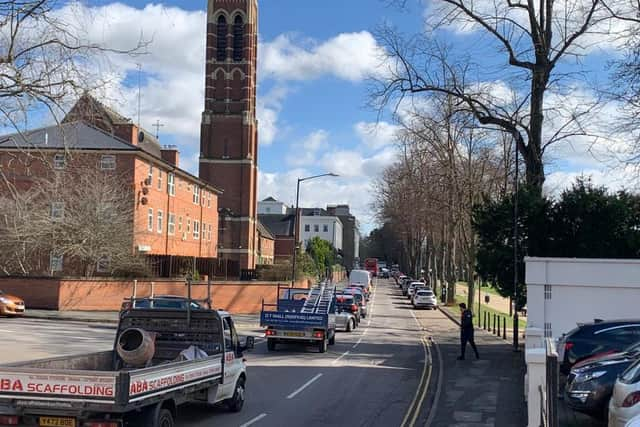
156,416
236,402
332,340
271,345
322,346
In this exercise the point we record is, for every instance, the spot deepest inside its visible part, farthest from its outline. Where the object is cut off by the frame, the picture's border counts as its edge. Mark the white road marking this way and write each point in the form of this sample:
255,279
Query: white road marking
254,420
305,385
358,343
340,357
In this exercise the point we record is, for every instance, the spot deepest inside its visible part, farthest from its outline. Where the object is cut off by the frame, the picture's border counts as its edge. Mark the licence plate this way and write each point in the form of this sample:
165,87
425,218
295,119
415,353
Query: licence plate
294,334
57,422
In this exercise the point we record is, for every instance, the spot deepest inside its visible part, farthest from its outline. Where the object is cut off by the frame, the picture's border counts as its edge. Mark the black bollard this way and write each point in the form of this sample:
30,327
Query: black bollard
504,330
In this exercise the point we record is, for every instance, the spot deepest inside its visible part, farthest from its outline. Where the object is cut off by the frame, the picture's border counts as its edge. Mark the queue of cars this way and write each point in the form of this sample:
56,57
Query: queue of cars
420,294
601,361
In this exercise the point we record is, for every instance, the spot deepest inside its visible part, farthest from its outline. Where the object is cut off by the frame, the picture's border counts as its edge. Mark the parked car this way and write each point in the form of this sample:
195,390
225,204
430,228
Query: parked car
633,422
590,383
362,288
425,298
405,285
346,312
412,288
597,338
11,305
360,276
625,401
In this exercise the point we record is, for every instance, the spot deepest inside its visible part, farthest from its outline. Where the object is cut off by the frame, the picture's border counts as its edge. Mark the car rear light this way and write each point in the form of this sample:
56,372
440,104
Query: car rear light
318,334
631,399
568,346
101,424
354,308
269,332
9,420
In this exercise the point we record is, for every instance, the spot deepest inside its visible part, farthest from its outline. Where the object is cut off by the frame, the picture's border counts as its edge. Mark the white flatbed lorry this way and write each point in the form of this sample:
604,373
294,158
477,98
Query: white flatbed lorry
98,390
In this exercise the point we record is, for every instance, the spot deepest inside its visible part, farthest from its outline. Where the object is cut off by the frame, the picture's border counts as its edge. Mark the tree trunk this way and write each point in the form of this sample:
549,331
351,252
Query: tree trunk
533,152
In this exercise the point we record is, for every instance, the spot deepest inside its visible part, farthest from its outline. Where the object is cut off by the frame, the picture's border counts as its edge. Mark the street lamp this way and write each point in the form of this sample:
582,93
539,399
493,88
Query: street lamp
295,220
515,255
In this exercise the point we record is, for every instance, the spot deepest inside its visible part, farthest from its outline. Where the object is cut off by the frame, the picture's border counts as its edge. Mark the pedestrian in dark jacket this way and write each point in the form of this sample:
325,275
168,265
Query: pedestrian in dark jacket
466,331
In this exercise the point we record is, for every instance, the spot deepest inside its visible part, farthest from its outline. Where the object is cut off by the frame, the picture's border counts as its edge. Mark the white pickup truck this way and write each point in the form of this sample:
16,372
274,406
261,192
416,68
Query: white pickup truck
100,390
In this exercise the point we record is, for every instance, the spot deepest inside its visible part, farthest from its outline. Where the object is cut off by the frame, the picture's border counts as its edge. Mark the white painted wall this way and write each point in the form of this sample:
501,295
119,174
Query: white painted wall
334,229
270,207
579,290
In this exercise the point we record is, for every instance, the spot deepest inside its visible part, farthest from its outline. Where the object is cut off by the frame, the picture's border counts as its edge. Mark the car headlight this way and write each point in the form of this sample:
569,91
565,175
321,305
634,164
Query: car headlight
588,376
5,300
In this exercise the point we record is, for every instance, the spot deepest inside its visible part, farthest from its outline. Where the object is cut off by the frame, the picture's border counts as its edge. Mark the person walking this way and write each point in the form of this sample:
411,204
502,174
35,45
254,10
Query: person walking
466,331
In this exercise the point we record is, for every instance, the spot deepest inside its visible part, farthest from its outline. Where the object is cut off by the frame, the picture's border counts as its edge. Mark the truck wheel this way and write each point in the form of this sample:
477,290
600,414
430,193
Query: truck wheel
236,402
165,419
271,345
322,346
156,416
332,340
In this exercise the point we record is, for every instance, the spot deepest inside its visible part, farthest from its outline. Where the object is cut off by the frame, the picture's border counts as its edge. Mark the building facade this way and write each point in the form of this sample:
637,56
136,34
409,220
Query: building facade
174,214
229,129
350,235
319,223
271,206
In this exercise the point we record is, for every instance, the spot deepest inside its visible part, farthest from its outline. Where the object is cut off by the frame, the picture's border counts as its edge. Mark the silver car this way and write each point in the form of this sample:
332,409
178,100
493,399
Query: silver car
425,298
346,316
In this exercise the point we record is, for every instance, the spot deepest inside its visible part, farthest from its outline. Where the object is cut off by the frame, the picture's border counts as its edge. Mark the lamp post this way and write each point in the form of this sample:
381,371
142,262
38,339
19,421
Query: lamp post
295,220
515,255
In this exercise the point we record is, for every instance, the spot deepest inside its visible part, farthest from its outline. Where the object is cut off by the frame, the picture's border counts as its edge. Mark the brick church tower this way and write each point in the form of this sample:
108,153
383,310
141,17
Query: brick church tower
229,130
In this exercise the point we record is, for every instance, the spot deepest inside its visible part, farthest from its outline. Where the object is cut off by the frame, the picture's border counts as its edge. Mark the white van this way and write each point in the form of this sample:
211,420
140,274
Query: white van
360,276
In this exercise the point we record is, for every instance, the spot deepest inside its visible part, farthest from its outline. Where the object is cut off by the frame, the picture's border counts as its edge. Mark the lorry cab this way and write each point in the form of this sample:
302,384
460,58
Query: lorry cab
232,388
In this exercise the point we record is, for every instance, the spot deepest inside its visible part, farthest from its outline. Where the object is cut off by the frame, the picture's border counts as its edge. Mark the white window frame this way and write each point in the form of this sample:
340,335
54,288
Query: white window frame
150,173
160,221
57,211
188,226
210,228
180,224
150,219
208,200
171,224
307,228
171,184
196,195
108,162
196,230
56,262
325,228
159,179
103,265
316,228
59,161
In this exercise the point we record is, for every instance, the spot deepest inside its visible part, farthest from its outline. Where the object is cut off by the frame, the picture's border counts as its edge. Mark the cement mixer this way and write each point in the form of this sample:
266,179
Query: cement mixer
136,347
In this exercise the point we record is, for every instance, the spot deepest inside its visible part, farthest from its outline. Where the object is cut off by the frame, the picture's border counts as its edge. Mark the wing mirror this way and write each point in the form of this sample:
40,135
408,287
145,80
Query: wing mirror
249,343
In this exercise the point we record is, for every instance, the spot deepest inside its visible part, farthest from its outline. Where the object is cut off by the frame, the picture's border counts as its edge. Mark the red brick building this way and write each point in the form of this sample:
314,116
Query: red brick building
229,130
175,214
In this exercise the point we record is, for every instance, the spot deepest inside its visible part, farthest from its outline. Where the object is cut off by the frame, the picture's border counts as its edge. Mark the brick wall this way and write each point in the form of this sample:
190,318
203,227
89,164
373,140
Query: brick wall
105,295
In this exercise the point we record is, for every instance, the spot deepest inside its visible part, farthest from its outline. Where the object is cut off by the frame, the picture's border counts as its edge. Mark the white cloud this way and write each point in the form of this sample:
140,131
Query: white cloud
348,56
306,152
268,110
376,135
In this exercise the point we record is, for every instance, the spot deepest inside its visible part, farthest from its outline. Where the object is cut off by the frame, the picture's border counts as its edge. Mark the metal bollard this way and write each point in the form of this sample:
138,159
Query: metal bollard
498,325
485,321
504,330
494,323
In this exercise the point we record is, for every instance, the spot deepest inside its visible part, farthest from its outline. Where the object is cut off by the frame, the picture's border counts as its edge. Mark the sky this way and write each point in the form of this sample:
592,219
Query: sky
314,63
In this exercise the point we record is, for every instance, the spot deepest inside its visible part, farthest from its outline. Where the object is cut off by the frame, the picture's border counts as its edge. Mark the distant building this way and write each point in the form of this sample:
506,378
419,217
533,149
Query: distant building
350,234
316,222
280,226
271,206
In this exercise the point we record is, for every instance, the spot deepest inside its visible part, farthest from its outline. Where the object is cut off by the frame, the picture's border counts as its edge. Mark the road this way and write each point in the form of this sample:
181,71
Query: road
370,377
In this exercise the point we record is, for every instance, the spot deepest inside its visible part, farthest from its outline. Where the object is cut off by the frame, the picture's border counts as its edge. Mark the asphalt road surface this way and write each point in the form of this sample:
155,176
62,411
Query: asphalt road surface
374,376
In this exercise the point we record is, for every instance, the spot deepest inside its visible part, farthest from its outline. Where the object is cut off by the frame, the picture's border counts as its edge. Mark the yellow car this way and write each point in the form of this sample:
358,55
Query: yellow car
10,305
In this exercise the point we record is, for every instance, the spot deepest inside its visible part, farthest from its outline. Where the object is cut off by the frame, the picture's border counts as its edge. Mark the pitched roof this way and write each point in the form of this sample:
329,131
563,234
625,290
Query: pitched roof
74,136
269,199
277,224
264,231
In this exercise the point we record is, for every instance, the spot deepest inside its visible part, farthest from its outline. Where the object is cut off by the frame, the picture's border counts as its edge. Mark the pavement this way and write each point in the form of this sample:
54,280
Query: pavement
397,369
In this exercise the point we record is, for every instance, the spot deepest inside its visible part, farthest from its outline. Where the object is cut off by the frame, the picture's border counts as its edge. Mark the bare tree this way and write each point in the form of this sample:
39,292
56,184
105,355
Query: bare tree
532,38
46,57
81,213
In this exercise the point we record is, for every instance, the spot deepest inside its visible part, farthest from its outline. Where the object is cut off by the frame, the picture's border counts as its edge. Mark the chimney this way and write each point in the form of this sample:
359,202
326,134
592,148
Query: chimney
170,154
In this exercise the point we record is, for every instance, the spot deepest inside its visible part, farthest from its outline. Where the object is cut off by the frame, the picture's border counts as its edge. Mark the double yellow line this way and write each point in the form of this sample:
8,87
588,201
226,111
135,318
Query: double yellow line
421,392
